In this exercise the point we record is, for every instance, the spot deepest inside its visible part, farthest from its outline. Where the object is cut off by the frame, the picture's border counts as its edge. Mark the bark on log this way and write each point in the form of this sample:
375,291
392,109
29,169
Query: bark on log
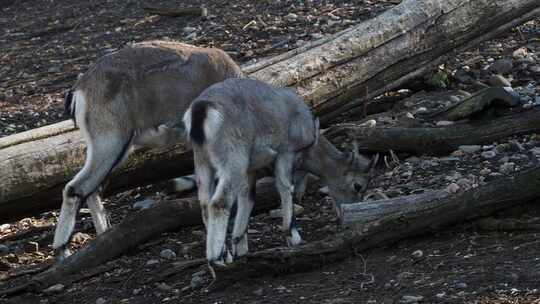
438,140
375,56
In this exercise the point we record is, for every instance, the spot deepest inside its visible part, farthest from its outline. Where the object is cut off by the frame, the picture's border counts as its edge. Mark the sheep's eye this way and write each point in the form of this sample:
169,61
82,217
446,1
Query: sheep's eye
357,187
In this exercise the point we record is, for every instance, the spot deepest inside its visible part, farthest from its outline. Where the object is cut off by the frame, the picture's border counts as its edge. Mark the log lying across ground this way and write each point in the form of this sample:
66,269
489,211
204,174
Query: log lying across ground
369,224
366,60
438,140
163,217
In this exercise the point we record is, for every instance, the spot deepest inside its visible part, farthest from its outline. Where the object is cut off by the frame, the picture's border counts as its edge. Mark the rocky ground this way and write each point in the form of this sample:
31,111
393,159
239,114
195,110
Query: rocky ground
43,51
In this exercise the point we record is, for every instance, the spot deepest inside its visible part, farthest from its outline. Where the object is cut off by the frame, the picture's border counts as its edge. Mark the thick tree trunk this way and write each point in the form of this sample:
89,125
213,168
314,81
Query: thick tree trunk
365,60
438,140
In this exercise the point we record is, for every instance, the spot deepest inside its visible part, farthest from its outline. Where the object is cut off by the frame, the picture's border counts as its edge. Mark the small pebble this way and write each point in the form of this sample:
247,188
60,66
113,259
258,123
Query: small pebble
485,171
464,183
144,204
54,289
291,17
101,301
444,123
507,168
489,154
470,148
152,262
418,254
5,227
196,281
164,287
3,249
411,299
167,254
452,188
80,237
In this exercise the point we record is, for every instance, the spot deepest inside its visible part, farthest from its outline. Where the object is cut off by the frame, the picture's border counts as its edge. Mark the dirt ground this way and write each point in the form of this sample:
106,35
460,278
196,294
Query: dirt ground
46,44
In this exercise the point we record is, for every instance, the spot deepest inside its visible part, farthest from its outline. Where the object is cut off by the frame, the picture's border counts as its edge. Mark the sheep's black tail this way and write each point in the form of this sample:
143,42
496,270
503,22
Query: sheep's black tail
198,116
69,105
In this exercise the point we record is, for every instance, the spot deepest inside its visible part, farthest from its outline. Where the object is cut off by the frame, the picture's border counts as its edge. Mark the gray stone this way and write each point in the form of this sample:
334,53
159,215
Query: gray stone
411,299
502,66
167,254
417,254
5,227
470,148
504,159
458,153
520,53
444,123
80,237
507,168
144,204
485,171
164,287
101,301
461,285
189,29
4,249
152,262
498,81
291,17
196,282
54,289
53,69
464,183
489,154
452,188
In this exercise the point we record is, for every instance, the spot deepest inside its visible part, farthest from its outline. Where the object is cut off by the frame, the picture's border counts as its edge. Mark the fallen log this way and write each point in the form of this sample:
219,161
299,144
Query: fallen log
163,217
377,223
368,224
366,60
438,140
478,103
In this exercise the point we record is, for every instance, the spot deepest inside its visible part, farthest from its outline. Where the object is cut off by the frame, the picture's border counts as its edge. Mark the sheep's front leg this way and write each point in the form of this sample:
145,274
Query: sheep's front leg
283,173
99,214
